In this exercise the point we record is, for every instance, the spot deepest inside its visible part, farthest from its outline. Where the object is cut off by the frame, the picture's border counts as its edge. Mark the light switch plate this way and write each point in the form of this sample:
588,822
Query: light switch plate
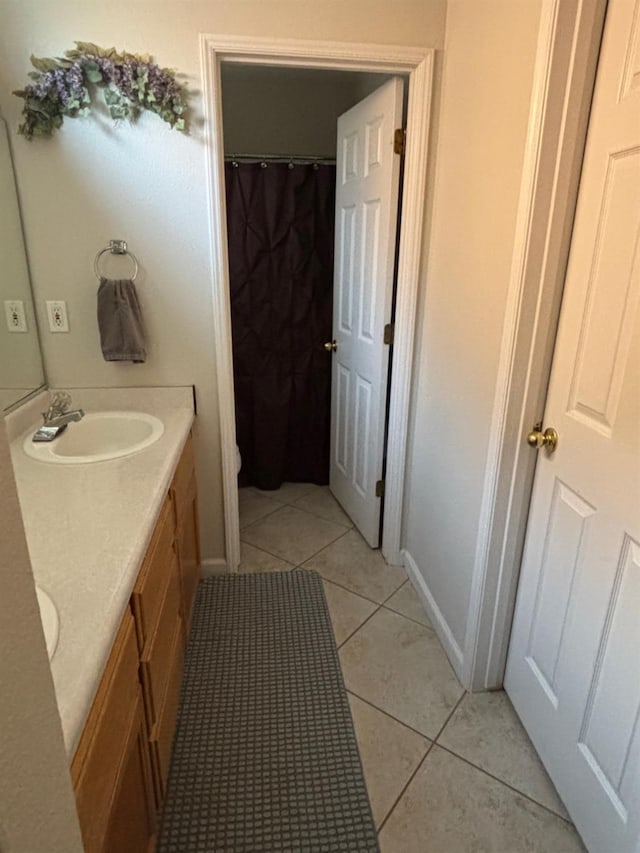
14,312
57,315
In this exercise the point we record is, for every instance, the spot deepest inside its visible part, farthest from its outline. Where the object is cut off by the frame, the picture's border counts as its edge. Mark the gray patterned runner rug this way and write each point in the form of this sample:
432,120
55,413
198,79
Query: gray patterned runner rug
265,758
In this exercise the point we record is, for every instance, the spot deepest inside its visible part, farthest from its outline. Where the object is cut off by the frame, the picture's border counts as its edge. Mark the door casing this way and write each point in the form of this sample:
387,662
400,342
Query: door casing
565,66
417,63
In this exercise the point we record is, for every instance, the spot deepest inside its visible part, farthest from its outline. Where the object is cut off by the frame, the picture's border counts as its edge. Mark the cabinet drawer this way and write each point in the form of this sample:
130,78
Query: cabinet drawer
163,730
181,483
152,580
156,658
94,770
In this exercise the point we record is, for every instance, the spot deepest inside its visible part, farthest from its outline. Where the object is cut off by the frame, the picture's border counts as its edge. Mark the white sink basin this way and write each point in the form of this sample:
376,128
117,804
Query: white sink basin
97,437
50,620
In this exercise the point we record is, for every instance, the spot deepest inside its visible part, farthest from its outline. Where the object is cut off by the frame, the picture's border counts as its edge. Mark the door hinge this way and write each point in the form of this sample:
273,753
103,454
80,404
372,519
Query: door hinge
380,488
399,141
388,334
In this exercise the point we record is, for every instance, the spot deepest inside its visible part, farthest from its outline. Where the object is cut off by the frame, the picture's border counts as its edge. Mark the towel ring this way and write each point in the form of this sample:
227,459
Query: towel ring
115,247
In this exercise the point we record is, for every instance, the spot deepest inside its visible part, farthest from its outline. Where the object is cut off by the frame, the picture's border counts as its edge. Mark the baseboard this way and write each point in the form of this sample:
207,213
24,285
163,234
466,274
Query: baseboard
215,566
440,624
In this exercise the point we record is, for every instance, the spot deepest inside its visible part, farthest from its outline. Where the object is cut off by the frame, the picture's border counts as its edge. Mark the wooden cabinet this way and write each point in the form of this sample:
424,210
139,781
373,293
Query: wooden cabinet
164,725
121,765
111,770
185,501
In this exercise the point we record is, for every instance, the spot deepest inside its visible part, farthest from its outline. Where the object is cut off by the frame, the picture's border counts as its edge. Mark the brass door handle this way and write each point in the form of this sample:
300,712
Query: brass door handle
331,346
538,439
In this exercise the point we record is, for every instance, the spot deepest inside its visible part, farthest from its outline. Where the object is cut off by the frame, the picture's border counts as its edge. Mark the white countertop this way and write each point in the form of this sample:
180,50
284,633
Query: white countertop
88,527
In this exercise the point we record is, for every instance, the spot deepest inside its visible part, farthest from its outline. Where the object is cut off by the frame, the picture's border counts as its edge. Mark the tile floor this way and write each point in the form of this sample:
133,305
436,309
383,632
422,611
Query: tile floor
447,772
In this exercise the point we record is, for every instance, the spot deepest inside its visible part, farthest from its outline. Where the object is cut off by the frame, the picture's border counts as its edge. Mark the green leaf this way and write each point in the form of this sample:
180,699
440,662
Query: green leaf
89,47
112,96
43,64
117,112
92,71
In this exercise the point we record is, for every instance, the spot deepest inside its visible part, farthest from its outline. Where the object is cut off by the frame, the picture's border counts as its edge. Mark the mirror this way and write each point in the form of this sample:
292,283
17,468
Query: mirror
21,370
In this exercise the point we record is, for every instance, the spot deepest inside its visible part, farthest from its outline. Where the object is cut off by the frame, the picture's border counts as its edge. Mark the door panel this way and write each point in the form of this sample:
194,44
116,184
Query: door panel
573,672
368,174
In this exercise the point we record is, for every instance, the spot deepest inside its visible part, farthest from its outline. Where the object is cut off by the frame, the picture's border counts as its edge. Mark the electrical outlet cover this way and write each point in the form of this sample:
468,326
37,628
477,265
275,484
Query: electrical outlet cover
14,313
57,315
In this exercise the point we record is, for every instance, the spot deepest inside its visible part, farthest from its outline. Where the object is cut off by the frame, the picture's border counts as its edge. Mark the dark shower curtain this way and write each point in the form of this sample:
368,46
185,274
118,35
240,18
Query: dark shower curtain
280,220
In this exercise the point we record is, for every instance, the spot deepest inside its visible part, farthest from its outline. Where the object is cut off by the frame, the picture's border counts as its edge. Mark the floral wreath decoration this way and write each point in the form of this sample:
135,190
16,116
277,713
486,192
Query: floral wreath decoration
131,83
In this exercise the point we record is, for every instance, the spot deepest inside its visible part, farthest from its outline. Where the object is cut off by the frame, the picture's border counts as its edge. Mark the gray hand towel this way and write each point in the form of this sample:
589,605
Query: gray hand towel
120,321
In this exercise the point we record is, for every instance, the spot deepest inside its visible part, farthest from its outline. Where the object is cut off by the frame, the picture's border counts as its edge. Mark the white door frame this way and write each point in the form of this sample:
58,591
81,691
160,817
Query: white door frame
385,59
566,61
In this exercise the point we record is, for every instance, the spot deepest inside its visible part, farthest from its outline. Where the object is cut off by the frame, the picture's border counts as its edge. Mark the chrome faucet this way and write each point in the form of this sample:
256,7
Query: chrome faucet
57,417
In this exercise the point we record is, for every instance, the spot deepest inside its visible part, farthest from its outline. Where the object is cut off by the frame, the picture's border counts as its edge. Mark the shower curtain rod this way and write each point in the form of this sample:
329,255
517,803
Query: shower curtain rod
283,158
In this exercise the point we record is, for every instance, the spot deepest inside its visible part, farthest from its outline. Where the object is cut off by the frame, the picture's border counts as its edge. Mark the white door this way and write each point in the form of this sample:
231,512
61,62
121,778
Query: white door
573,672
367,183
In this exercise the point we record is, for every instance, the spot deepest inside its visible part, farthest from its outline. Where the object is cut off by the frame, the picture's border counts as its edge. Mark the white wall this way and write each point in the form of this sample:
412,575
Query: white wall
37,808
147,184
486,88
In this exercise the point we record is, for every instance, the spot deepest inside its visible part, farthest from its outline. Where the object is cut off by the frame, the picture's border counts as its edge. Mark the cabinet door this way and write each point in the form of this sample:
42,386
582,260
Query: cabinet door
164,727
189,553
111,767
185,502
131,827
157,566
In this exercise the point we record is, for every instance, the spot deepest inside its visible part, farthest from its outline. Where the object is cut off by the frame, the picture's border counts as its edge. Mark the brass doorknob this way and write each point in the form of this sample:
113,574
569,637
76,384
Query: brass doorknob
331,346
538,439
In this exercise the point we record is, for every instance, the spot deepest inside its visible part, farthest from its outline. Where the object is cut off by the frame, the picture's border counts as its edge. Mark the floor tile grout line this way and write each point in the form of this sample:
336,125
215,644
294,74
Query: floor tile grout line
317,515
277,556
398,588
341,586
503,782
264,551
322,517
260,518
424,758
283,504
450,715
404,788
391,717
324,547
350,526
267,493
346,588
410,618
355,630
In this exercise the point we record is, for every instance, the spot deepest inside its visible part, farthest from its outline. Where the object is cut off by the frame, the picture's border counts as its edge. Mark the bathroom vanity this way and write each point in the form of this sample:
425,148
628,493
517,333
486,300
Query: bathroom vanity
118,553
120,768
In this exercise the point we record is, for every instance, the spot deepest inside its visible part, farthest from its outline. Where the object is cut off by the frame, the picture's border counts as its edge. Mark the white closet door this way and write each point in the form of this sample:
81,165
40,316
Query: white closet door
573,672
